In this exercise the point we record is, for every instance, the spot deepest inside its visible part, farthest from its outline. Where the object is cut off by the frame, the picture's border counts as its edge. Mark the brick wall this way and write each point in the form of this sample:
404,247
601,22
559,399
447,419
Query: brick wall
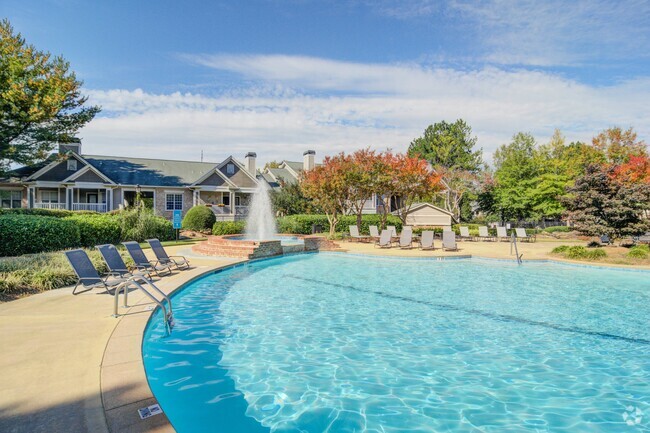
161,201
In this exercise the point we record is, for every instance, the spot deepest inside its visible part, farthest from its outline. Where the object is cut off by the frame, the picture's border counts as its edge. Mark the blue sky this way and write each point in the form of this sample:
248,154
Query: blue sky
280,77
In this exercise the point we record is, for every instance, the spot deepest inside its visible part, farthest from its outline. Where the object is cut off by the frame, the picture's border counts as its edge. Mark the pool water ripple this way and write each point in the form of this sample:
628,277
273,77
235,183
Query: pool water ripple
341,344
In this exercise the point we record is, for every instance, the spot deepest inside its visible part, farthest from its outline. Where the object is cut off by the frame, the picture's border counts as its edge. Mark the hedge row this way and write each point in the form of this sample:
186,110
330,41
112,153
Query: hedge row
26,233
228,228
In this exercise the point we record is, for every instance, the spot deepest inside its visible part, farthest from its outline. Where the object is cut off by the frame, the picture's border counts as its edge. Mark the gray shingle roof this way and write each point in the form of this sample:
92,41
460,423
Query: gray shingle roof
284,174
151,172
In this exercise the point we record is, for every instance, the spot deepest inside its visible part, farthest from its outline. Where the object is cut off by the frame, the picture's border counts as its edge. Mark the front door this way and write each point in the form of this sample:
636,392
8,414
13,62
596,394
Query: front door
91,198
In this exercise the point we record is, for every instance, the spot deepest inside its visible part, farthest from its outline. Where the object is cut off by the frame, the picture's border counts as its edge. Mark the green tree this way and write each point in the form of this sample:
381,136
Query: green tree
515,167
40,101
449,148
290,200
599,204
448,145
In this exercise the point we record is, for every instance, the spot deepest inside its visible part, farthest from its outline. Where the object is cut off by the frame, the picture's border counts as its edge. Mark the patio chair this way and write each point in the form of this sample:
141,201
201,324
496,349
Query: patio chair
354,234
374,232
605,240
484,234
407,228
392,230
406,239
87,275
449,241
141,261
115,262
179,261
523,236
385,240
464,234
502,234
426,240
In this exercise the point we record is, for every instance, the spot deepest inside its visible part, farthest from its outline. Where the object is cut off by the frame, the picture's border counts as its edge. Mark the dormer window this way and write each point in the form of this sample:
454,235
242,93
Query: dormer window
72,165
230,168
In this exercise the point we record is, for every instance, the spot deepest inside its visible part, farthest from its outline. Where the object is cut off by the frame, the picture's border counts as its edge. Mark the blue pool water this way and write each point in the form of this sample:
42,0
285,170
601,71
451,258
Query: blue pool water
329,342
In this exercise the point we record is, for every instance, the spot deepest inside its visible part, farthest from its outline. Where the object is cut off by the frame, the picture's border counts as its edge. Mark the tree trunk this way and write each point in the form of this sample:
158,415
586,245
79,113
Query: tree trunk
359,215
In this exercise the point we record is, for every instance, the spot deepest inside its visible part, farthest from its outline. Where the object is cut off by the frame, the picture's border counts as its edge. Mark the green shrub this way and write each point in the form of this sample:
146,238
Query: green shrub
228,228
139,224
560,250
25,234
579,252
97,229
639,252
199,218
302,224
57,213
418,230
557,229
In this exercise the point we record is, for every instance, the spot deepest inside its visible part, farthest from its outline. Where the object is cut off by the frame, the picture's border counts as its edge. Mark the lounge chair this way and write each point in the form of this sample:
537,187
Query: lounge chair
645,239
87,275
502,234
392,230
179,261
385,239
407,228
605,240
449,241
115,263
464,234
354,234
374,232
484,234
426,240
523,236
141,261
406,239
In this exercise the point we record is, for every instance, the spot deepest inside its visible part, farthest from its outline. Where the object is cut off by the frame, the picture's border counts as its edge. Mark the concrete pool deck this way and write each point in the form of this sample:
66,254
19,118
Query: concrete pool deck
67,365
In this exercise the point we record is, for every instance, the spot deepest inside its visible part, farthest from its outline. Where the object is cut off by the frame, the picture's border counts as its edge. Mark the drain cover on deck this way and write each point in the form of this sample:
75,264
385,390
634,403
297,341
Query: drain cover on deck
149,411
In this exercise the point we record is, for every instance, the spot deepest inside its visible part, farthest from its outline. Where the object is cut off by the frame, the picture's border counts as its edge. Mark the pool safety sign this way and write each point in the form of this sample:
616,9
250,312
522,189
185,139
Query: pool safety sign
178,216
149,411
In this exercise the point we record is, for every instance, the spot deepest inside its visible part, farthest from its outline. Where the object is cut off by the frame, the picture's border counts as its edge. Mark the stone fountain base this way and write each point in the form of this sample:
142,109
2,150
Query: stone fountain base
226,246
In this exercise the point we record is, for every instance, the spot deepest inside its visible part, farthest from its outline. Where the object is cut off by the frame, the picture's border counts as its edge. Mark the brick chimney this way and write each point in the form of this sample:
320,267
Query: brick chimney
250,162
74,145
308,160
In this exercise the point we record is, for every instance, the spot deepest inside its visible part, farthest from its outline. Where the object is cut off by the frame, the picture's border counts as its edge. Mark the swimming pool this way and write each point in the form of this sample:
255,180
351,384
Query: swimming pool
339,343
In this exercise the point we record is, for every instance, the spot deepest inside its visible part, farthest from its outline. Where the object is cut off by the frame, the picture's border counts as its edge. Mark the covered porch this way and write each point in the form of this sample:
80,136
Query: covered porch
91,197
227,204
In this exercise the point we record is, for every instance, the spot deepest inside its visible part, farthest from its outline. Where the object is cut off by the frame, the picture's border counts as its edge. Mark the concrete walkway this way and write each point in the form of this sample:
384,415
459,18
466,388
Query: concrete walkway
53,366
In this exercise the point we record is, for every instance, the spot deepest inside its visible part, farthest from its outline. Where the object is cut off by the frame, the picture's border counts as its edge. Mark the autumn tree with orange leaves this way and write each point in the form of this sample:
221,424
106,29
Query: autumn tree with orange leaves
343,183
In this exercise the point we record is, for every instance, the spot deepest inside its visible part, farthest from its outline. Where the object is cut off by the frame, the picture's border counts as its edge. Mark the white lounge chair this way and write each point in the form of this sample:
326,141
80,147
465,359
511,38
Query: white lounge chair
354,234
406,239
484,234
464,234
523,236
392,230
385,239
426,240
449,241
502,234
374,232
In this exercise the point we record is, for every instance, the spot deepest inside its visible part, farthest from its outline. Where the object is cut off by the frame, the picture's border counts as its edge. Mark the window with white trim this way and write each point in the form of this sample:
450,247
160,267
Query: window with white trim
72,165
174,201
49,196
11,199
230,168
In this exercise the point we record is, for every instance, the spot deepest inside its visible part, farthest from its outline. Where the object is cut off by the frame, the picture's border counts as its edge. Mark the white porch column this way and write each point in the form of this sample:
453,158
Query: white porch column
107,197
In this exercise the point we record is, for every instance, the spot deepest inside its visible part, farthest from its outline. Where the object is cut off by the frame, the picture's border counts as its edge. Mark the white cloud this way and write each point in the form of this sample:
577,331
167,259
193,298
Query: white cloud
299,103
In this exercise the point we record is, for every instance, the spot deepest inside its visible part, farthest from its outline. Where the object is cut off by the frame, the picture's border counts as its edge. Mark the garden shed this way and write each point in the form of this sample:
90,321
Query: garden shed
426,214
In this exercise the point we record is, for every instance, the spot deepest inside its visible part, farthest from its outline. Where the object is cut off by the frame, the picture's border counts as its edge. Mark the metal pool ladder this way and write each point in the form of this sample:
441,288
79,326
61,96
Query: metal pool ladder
513,242
168,315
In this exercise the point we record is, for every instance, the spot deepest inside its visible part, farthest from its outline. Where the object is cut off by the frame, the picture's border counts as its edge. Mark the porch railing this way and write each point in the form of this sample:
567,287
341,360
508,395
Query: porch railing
95,207
49,205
